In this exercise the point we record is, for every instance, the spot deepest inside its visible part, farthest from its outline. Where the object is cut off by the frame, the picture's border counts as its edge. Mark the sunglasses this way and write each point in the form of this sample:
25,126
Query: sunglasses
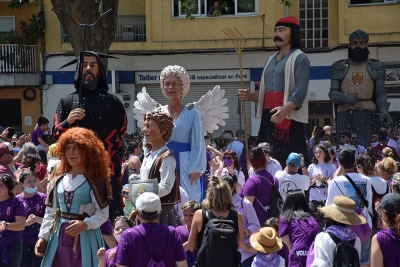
354,138
343,136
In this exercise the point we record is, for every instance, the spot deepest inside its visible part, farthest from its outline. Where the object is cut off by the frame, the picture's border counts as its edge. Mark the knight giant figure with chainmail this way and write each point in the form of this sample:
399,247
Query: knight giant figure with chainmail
358,88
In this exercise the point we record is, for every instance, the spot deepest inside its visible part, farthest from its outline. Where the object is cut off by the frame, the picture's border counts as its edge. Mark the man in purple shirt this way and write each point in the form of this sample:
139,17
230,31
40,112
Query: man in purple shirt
6,157
150,241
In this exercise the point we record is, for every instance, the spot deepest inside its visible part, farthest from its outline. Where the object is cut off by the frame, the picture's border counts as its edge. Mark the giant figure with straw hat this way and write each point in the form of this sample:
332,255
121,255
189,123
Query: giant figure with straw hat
282,98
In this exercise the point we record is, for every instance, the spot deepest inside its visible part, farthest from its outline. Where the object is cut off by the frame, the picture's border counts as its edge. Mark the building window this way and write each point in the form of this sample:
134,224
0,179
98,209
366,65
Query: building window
367,2
7,23
313,16
200,8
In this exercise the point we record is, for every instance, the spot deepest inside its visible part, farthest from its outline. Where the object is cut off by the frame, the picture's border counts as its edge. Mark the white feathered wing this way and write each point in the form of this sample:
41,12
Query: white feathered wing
143,104
212,109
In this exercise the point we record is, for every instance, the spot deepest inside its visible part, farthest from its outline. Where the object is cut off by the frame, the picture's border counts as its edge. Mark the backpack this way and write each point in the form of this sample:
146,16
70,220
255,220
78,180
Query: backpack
153,262
275,202
376,198
344,255
219,244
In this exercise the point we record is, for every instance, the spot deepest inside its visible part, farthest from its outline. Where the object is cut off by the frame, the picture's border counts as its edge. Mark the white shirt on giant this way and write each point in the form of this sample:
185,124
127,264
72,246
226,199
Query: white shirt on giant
167,171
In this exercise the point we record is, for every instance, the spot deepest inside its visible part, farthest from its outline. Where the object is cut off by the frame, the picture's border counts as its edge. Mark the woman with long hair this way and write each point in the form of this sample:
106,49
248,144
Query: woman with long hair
320,173
250,221
232,165
385,245
131,161
365,165
217,204
77,202
34,203
258,188
12,222
297,227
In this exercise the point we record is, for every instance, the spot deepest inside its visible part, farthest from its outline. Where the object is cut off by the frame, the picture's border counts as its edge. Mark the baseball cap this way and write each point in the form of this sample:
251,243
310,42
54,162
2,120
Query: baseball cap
4,148
148,202
294,159
389,201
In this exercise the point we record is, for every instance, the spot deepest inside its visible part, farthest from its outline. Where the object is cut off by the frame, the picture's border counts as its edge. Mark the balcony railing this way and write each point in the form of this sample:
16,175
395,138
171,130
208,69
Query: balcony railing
130,28
17,58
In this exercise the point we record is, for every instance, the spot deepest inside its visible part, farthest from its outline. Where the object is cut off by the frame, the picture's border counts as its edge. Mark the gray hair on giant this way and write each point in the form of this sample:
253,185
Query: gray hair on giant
179,72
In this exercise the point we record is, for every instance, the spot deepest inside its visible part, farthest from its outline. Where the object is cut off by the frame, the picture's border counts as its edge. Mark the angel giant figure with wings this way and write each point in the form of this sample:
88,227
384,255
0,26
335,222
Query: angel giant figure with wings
191,123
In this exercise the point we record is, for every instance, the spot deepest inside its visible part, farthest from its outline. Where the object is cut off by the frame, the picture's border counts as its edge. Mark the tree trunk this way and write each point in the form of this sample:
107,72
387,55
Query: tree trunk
98,37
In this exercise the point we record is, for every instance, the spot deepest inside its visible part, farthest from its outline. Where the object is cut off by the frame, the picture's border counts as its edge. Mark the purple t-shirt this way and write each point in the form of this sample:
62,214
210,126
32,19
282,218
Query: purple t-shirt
8,210
106,228
132,252
389,242
110,263
260,188
35,135
184,233
34,205
302,233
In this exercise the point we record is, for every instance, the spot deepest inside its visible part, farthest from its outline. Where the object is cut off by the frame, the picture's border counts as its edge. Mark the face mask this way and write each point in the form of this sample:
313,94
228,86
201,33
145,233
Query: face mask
117,237
30,190
228,162
374,144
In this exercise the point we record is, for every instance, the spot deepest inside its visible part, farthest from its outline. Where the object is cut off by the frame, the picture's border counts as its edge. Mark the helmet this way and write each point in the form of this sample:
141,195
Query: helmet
359,34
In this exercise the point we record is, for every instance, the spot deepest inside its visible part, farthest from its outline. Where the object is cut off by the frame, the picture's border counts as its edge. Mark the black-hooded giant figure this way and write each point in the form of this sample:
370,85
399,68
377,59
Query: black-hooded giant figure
98,111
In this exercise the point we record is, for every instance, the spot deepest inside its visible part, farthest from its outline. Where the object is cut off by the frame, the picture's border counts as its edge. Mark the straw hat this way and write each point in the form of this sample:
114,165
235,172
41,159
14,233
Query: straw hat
266,240
342,210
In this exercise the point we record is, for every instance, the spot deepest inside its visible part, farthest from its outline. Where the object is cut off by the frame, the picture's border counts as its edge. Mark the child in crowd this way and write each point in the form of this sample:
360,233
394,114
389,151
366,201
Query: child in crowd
160,163
127,202
284,252
106,258
188,209
267,243
38,133
35,207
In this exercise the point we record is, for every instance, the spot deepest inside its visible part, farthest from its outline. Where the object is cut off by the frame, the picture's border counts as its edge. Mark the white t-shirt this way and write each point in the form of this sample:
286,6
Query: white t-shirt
324,247
340,186
289,182
319,192
379,184
239,175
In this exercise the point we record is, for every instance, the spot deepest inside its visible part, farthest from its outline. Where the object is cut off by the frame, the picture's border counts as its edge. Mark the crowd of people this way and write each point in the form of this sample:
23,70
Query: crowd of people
176,199
345,195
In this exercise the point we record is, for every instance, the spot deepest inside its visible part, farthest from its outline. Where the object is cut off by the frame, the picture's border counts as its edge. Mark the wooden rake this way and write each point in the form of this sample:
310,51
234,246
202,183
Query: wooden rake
239,43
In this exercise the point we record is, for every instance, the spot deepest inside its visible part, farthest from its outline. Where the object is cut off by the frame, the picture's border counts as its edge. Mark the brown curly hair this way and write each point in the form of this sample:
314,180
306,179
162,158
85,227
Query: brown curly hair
92,150
164,121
